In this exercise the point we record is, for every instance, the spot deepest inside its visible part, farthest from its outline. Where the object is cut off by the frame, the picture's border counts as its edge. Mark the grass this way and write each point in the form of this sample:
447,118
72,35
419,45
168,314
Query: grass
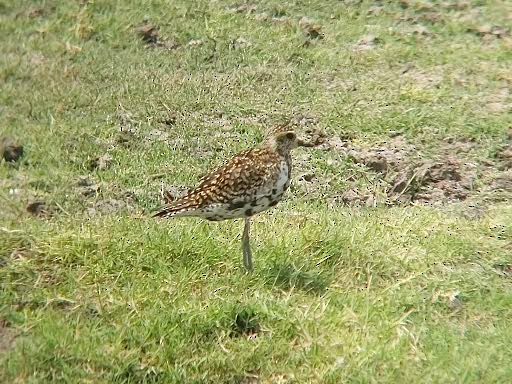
98,291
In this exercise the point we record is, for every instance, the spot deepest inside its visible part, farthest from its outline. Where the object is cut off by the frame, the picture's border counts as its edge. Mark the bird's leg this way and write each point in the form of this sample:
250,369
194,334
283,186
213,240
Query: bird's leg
246,247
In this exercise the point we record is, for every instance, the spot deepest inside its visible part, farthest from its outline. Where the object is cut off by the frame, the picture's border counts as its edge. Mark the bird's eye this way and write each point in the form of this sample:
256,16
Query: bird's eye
290,135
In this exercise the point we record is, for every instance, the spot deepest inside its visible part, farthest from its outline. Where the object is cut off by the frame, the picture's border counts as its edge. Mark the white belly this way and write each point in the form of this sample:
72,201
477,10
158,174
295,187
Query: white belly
283,180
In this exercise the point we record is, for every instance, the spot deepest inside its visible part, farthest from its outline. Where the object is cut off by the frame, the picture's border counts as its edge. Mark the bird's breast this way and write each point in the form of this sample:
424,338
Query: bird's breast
283,178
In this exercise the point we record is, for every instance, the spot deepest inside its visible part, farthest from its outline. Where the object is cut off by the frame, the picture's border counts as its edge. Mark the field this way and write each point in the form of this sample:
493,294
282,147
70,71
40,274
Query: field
389,261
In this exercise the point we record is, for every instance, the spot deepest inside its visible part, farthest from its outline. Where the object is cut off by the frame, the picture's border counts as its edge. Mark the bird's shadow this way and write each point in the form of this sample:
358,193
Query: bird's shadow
288,276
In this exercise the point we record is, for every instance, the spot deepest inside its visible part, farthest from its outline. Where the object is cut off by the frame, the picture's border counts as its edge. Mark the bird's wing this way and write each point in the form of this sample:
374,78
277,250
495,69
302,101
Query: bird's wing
241,175
237,179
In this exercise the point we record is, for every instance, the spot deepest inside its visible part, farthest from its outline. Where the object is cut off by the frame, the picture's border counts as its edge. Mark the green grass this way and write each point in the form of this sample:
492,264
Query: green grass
100,292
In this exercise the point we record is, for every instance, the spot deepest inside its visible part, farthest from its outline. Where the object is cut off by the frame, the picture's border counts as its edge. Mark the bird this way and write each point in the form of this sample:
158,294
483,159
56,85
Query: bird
250,182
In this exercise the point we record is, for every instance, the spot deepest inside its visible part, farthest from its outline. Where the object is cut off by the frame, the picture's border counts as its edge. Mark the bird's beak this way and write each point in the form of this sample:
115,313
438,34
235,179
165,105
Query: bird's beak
302,143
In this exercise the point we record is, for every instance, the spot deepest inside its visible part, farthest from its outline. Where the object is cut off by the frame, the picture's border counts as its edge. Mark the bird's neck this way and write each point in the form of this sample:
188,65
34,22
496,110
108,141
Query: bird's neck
286,157
282,151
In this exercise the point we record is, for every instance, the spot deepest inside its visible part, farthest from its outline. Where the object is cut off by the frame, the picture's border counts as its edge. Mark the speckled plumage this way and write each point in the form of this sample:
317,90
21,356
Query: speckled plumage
250,182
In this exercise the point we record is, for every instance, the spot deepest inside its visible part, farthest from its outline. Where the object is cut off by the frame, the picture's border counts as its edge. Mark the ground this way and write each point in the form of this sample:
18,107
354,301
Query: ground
389,261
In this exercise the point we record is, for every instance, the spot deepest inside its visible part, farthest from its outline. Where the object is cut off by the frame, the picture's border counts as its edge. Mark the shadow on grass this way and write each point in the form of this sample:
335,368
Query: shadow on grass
245,321
137,372
289,276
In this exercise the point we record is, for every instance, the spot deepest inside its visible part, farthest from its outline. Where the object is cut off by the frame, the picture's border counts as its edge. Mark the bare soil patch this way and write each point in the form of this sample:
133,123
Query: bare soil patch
366,43
399,174
41,209
100,163
107,206
172,192
10,151
87,187
502,182
312,30
7,337
488,31
149,33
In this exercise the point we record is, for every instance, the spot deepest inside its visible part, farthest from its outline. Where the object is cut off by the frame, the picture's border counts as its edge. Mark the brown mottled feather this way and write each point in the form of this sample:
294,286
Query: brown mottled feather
241,175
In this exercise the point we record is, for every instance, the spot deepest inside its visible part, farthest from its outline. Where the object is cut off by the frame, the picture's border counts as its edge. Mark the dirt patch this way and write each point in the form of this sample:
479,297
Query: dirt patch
504,269
452,145
107,206
498,107
100,163
242,8
366,43
313,137
275,14
432,17
7,337
87,187
275,17
502,182
157,135
381,159
442,181
150,36
170,119
128,125
118,201
451,299
148,33
312,30
10,151
415,11
418,30
40,208
421,78
261,16
505,155
488,31
195,43
172,192
36,59
396,173
240,43
130,133
164,136
126,139
307,182
304,121
498,102
35,12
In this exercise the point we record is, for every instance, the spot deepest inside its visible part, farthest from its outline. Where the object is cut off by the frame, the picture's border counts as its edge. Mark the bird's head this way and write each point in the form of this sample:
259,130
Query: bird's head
283,139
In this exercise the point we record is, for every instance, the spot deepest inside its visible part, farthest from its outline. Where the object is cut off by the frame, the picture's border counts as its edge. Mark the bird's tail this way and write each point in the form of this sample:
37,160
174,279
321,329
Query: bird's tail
185,206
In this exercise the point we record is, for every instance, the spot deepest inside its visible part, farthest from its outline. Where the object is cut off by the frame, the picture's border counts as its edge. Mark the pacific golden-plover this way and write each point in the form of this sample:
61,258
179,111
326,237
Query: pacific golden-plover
248,183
